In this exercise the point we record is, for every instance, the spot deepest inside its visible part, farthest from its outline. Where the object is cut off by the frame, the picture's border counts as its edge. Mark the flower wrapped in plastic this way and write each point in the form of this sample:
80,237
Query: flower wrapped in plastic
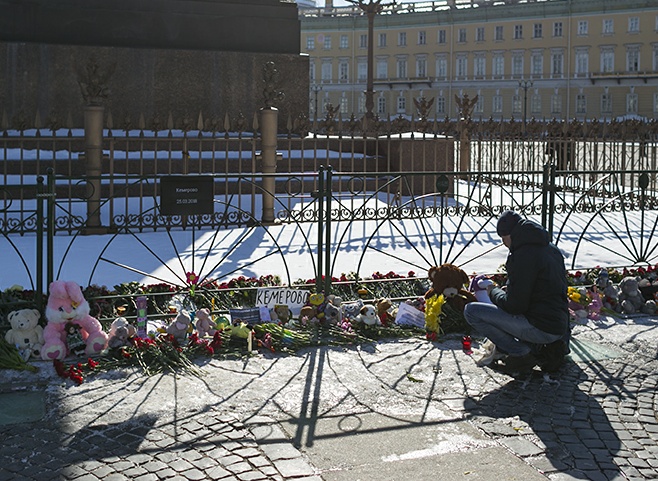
433,309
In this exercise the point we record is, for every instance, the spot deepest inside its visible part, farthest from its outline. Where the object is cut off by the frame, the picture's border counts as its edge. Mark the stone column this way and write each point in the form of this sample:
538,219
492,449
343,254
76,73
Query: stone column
268,122
93,163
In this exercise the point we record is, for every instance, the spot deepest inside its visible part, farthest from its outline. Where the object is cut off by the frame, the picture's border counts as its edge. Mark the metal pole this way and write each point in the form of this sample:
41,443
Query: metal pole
320,215
327,244
39,290
50,227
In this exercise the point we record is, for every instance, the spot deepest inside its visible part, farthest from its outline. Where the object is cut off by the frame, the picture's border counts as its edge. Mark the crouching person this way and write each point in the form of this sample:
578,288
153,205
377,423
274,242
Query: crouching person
528,323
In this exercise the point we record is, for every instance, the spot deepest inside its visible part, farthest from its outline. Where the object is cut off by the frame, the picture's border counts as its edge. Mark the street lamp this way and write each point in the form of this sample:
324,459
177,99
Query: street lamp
315,88
371,9
525,85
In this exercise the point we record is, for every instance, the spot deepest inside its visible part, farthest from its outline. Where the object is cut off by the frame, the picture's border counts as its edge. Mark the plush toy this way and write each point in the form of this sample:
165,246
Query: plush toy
478,287
594,308
280,313
352,309
450,280
649,289
630,300
67,304
180,325
385,311
368,315
25,333
333,314
204,323
578,310
120,331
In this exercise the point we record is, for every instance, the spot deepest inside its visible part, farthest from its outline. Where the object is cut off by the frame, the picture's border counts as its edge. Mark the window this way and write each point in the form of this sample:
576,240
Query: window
310,43
402,68
557,64
382,69
382,40
461,35
381,105
556,104
327,42
311,71
557,29
631,103
498,66
402,105
480,66
362,71
479,105
655,103
421,67
361,106
441,105
537,30
326,71
442,68
582,62
633,24
535,103
498,32
497,104
517,65
343,70
537,64
608,26
479,34
583,26
607,59
441,36
606,103
655,57
518,32
422,37
462,66
344,42
363,41
633,59
344,105
581,104
517,104
402,39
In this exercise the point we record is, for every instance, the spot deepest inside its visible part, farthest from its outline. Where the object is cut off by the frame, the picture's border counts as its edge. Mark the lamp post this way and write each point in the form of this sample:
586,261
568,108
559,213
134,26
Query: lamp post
525,85
371,9
316,89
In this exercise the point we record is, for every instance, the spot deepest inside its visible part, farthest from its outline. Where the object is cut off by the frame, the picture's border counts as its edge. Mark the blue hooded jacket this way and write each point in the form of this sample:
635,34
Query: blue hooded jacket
536,280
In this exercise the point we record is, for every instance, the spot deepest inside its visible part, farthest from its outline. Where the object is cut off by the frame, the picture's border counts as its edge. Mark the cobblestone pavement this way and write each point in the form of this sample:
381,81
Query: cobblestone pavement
274,417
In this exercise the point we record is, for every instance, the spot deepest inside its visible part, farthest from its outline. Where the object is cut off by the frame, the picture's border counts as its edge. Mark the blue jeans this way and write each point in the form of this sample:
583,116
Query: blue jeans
510,333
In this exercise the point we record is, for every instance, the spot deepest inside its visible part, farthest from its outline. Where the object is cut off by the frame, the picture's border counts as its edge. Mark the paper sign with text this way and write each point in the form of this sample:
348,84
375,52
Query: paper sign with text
295,299
410,316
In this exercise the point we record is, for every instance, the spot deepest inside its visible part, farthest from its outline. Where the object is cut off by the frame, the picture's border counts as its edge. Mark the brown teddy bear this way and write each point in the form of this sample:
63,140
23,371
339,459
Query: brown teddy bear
449,280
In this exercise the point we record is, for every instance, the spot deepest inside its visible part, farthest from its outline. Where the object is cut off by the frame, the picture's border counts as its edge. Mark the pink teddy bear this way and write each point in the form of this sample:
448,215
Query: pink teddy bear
67,304
204,324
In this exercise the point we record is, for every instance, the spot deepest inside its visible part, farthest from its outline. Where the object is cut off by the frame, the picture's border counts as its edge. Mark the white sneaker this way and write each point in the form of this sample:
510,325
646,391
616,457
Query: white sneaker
489,354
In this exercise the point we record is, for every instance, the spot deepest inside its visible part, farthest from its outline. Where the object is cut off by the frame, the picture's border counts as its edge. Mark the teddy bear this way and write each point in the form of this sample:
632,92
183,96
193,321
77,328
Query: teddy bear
180,325
333,314
120,331
204,323
630,300
25,333
281,313
67,304
368,316
449,280
385,311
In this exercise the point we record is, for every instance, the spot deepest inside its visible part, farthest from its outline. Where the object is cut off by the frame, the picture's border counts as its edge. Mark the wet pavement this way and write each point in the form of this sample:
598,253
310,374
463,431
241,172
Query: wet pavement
384,411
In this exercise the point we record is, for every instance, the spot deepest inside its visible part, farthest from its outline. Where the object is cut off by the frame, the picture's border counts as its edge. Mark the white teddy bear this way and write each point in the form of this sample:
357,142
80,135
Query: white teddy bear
25,333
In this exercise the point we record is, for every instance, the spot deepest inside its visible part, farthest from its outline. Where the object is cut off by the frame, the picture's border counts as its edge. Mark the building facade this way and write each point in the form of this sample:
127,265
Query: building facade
560,59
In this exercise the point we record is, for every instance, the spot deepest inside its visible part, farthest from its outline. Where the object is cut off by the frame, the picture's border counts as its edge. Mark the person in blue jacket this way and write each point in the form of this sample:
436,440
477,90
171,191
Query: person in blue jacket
528,322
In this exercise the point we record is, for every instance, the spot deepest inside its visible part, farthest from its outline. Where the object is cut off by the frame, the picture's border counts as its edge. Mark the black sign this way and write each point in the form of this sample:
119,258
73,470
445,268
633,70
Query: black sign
186,195
442,184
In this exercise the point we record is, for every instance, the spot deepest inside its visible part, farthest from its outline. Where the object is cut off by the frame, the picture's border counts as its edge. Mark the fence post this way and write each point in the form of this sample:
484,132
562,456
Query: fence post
327,244
319,195
50,227
93,159
39,290
268,121
548,198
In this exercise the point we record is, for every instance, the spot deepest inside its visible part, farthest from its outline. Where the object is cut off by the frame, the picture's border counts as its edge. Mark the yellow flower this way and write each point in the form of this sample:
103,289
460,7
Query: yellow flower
433,307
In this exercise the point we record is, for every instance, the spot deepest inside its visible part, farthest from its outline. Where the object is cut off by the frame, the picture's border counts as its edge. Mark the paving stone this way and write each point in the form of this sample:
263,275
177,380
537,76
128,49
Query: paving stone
290,468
